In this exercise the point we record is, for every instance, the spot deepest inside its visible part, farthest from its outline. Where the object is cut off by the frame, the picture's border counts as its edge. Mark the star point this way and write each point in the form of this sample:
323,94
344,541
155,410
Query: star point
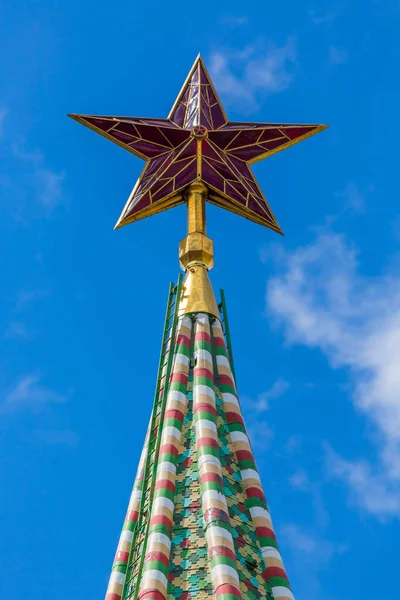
198,143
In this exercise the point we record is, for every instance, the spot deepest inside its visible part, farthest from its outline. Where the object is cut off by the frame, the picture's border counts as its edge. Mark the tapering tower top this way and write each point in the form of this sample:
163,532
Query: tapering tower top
197,143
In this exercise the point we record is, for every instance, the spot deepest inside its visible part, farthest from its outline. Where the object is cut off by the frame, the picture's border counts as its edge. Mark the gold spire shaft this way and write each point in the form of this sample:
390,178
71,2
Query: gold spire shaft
196,257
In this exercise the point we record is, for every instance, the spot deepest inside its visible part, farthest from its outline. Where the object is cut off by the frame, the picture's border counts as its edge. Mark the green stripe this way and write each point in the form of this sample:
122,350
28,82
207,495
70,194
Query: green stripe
164,493
177,385
208,450
247,464
212,485
224,387
204,415
119,566
236,427
251,502
172,422
223,560
160,528
266,541
156,565
219,351
201,380
168,457
277,581
182,349
202,345
228,597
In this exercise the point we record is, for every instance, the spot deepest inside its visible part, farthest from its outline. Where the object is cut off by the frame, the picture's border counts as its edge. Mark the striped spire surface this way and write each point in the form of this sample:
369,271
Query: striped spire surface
209,534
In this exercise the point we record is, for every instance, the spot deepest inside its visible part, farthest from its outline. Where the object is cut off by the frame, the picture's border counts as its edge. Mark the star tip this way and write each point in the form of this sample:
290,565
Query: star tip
118,225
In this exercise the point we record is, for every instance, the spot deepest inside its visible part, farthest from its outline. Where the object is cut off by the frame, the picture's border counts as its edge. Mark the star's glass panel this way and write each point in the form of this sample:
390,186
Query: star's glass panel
171,152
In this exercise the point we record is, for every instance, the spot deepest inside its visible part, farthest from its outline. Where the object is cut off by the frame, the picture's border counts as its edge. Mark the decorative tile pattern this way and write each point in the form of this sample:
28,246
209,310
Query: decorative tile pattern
210,533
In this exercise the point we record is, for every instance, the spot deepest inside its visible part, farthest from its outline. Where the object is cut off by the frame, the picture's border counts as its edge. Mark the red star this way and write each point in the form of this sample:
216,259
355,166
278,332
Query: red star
197,142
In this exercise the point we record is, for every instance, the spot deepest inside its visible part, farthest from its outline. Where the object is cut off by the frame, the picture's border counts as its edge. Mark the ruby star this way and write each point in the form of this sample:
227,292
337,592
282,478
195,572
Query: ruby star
198,143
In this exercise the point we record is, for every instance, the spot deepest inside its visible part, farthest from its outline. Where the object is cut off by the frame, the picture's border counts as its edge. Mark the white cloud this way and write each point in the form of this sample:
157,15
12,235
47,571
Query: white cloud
46,182
49,188
29,393
300,481
337,56
16,330
57,437
320,19
259,431
311,554
241,75
322,301
261,404
234,21
26,298
3,114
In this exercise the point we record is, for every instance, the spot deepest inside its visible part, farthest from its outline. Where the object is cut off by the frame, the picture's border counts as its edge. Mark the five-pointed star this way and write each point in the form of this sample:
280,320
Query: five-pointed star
198,143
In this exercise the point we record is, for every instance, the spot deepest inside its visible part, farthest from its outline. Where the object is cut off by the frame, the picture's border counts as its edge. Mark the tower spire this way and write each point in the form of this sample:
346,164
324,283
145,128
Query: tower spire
198,526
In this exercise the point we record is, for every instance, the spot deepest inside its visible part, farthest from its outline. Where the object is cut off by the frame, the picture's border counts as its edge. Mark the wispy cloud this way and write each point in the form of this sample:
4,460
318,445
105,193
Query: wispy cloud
234,21
3,115
311,554
57,437
30,394
300,481
322,18
322,301
241,75
16,330
353,201
25,298
48,184
260,432
337,56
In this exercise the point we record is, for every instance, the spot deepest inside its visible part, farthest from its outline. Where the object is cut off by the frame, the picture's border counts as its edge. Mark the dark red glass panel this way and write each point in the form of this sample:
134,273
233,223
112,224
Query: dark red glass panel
152,134
158,163
295,132
179,115
122,137
163,192
103,124
244,138
127,128
237,165
189,150
177,136
255,207
233,193
186,177
209,151
269,146
247,153
139,204
222,138
177,166
203,76
147,149
217,117
205,118
159,122
270,134
239,125
222,168
251,186
211,177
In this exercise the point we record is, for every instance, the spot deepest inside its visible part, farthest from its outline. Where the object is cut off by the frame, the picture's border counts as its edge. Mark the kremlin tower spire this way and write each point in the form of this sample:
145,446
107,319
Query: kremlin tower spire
198,526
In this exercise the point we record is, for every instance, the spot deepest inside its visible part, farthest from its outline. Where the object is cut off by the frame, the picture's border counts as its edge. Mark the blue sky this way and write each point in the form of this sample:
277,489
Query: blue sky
315,318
